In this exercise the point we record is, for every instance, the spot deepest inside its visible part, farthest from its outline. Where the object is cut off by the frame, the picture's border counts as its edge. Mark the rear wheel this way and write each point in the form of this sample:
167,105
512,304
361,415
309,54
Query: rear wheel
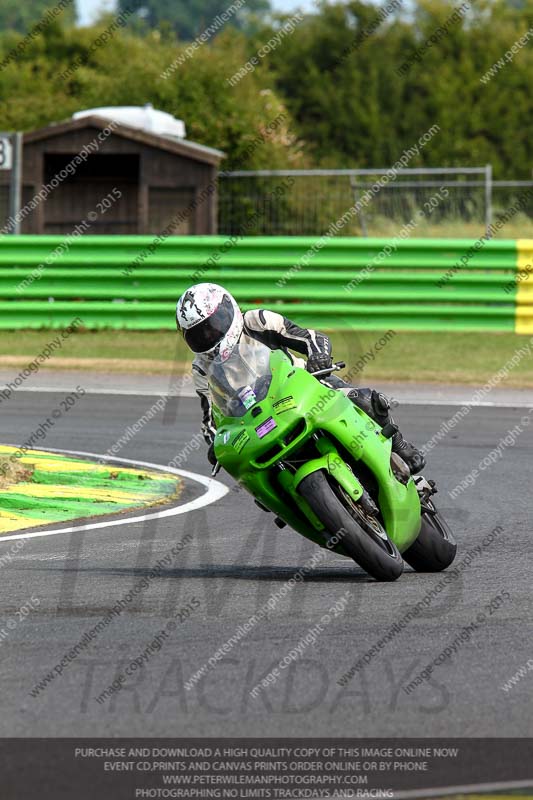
434,548
361,535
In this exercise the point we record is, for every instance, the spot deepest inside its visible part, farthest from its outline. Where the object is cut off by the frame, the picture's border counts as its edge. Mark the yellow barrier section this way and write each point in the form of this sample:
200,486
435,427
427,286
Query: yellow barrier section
524,287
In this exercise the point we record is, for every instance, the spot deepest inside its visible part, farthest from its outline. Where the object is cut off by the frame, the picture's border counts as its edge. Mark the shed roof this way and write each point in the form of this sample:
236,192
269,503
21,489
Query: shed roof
180,147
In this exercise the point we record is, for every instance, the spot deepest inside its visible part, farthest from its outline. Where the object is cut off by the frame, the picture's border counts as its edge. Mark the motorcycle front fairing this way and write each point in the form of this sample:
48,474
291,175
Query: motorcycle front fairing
267,410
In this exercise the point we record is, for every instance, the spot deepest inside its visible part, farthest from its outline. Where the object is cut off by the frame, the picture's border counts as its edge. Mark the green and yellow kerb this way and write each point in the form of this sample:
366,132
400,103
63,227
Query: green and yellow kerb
41,488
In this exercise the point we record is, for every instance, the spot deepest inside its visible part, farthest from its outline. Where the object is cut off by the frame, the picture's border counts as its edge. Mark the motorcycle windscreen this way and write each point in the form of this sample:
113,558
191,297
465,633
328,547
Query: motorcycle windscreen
242,380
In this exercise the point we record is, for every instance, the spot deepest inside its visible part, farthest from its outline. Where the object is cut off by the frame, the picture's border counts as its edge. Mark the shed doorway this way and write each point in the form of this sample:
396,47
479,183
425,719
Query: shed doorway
102,195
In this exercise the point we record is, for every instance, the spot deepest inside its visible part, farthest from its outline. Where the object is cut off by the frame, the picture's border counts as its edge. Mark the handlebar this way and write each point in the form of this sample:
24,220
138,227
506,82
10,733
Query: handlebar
334,368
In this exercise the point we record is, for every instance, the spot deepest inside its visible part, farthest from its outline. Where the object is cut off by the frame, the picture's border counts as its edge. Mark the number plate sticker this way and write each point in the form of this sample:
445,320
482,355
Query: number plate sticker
240,441
285,404
265,427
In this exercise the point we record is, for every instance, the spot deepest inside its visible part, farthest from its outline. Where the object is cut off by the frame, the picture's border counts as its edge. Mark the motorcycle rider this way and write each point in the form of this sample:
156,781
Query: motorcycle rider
212,324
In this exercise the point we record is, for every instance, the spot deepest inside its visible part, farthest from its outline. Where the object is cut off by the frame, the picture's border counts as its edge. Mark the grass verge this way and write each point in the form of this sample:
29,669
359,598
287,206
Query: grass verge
468,357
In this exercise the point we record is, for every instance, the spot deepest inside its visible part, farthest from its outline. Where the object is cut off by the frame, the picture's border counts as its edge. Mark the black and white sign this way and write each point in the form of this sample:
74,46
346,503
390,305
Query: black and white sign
6,152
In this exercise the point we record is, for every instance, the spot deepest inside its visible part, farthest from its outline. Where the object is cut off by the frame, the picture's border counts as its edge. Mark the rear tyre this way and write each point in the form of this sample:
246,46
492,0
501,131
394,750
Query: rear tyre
362,536
435,547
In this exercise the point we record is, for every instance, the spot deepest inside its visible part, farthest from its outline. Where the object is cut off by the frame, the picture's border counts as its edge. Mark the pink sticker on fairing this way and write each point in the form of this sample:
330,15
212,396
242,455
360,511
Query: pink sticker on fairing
265,427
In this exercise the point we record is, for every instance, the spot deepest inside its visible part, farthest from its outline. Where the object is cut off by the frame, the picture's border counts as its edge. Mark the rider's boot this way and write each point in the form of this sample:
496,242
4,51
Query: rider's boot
410,454
377,406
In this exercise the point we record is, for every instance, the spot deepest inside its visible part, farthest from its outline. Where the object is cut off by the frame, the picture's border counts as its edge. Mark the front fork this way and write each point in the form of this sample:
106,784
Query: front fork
329,461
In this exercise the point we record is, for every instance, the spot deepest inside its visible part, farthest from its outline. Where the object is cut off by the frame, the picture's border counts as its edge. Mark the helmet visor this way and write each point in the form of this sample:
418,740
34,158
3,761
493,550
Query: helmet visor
209,332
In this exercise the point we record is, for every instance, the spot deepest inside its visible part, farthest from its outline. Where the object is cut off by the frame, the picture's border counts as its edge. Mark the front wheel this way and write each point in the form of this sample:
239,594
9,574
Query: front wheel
362,536
434,548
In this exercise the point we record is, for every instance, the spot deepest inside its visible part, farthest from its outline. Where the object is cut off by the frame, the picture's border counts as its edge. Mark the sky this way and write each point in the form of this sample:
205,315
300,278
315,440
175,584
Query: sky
89,9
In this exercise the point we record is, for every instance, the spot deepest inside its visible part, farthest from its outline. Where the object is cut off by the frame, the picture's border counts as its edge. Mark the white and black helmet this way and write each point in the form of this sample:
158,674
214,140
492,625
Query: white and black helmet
210,320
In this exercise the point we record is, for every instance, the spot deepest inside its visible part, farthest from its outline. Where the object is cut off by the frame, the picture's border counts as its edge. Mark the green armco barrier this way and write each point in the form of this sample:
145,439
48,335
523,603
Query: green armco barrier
336,283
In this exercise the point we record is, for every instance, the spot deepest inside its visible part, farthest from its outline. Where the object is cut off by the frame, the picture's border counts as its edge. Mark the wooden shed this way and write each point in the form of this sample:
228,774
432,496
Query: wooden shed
152,181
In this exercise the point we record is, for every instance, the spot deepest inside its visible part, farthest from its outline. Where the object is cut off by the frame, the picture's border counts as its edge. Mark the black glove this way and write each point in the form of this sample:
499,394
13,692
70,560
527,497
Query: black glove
211,457
319,361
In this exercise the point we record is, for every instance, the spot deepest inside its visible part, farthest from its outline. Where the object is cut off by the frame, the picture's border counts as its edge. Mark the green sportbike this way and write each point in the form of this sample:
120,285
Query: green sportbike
321,465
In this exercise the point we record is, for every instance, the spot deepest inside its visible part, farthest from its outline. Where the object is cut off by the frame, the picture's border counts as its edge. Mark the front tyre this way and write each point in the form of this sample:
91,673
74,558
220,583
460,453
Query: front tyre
362,537
434,548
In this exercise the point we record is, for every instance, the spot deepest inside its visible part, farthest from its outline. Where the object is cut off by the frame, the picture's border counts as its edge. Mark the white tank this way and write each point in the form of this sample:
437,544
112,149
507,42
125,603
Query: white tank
147,118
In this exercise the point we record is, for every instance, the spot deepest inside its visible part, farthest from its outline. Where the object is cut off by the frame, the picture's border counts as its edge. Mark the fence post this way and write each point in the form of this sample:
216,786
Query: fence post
488,197
16,180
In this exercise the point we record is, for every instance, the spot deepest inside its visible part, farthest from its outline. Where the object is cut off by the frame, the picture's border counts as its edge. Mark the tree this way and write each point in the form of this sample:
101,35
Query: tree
21,17
249,122
355,105
190,18
337,77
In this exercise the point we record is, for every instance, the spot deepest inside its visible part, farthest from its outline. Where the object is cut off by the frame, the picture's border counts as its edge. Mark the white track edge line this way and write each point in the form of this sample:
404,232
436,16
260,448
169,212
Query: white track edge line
215,491
412,401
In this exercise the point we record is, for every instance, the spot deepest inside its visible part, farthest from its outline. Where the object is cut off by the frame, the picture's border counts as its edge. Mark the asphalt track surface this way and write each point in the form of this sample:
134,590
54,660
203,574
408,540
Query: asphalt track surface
236,559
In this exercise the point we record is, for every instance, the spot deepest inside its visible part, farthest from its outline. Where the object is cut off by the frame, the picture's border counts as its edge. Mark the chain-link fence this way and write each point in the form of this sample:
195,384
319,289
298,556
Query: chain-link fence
413,202
421,202
508,195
